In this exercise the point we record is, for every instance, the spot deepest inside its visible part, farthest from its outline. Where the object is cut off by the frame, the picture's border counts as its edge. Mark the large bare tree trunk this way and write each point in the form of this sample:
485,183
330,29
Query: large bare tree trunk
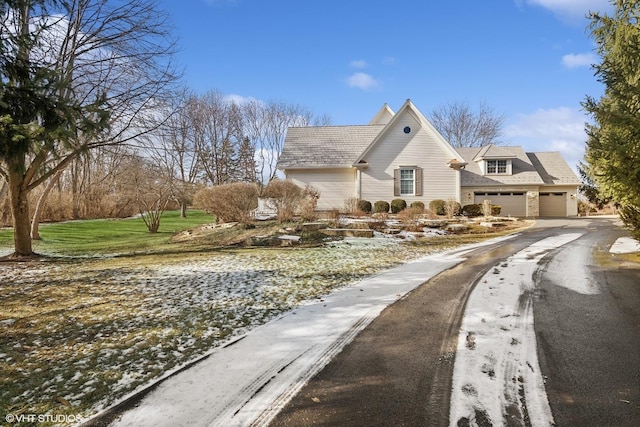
20,212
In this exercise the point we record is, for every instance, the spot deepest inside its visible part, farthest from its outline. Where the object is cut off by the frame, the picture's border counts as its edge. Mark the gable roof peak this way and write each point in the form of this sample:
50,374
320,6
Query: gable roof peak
409,108
383,116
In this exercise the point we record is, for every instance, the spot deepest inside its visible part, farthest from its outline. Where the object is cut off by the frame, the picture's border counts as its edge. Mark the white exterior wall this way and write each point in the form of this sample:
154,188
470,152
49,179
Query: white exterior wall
334,185
417,148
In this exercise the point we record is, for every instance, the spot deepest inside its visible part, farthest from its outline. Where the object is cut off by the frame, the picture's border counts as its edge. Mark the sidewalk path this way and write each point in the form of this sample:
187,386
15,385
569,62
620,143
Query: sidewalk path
250,380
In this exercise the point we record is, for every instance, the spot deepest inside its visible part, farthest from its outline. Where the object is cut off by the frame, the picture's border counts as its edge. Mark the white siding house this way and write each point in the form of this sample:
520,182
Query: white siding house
401,155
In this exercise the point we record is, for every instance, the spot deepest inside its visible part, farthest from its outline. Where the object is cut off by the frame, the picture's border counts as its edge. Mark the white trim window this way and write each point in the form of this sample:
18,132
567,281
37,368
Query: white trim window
498,167
408,181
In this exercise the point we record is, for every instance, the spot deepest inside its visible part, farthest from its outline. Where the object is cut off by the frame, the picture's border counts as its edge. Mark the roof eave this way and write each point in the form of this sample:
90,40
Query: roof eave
308,167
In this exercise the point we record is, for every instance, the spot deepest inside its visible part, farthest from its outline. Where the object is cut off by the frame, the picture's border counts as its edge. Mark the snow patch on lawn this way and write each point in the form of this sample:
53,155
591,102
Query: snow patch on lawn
497,379
249,381
124,322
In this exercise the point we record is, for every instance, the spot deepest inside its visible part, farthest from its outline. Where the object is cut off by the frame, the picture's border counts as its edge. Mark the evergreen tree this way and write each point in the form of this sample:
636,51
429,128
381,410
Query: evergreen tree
613,144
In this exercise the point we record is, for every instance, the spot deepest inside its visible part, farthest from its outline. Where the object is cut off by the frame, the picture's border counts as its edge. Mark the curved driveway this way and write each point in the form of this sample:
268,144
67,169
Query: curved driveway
399,370
349,361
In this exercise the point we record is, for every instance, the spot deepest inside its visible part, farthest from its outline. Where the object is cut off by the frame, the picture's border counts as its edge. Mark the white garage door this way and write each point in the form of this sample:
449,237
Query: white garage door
513,203
553,204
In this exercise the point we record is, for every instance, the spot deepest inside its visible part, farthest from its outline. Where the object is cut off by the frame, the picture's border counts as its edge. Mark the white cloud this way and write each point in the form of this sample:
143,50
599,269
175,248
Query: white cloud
555,129
389,60
572,9
360,63
363,81
239,99
574,60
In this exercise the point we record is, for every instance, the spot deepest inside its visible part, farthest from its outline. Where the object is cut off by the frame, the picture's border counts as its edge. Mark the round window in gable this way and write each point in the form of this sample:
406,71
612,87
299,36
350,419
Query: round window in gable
407,129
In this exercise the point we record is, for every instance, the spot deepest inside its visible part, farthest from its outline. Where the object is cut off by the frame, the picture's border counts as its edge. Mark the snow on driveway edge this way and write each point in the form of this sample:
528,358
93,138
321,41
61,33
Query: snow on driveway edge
497,378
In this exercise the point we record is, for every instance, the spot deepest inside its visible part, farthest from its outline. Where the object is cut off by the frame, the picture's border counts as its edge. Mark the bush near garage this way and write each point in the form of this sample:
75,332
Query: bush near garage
437,206
474,209
452,208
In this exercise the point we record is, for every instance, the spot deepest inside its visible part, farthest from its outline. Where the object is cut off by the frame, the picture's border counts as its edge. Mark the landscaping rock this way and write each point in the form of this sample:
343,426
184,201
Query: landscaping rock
348,232
313,226
433,223
492,224
289,240
456,228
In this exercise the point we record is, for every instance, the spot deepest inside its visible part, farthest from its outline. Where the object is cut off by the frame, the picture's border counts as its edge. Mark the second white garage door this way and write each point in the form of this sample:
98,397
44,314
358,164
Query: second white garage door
553,204
513,203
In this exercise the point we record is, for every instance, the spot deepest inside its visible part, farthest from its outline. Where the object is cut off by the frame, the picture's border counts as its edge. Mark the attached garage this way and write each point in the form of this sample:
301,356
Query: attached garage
513,203
553,204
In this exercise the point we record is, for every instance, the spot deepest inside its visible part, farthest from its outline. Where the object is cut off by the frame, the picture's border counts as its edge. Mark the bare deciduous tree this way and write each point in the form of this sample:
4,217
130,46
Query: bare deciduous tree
173,149
75,75
217,124
266,124
148,188
461,126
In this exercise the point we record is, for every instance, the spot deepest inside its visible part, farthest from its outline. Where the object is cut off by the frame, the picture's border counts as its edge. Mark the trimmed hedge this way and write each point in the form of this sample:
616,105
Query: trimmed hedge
474,209
381,207
398,205
364,206
437,206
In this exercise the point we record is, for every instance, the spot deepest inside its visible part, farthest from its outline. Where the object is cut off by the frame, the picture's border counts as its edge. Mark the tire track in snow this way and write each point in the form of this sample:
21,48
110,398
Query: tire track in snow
497,379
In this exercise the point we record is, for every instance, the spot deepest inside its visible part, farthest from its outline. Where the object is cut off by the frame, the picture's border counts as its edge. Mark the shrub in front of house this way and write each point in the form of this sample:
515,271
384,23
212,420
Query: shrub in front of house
452,208
437,206
495,210
410,216
398,205
351,205
290,200
418,205
381,207
474,209
364,206
229,202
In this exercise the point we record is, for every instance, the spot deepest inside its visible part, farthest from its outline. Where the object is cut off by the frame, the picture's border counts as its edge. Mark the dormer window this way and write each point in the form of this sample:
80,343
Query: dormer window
497,167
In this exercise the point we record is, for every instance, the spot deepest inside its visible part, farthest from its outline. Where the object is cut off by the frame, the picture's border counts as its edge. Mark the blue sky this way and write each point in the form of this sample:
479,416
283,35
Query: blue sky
527,59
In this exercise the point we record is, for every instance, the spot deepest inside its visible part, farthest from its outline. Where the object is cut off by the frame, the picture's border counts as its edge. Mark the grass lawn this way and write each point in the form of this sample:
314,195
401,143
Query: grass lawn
77,333
108,237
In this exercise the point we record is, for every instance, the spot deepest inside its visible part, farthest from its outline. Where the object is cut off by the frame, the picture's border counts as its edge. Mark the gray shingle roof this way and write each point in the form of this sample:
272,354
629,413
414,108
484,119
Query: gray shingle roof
494,152
523,171
325,146
553,169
